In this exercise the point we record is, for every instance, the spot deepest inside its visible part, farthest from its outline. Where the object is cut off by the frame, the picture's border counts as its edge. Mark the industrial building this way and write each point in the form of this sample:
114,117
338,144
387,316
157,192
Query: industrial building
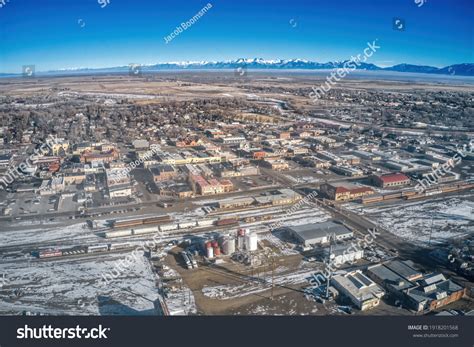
344,192
344,253
391,180
163,173
361,290
421,293
318,233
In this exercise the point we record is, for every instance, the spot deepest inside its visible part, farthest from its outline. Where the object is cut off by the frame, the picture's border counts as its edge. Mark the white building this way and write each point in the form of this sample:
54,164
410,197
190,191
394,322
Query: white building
361,290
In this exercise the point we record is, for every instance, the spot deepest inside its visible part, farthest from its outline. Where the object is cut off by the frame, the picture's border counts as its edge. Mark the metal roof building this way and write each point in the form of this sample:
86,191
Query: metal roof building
317,233
360,289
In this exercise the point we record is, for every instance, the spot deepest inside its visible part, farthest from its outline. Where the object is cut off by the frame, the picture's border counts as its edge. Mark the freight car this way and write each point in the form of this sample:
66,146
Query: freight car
206,222
186,225
390,196
127,223
148,230
98,248
168,227
371,199
156,220
416,196
117,233
74,250
227,222
121,245
50,253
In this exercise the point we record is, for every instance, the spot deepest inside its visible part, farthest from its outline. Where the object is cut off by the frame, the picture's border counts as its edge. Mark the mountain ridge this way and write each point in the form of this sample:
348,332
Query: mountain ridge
463,69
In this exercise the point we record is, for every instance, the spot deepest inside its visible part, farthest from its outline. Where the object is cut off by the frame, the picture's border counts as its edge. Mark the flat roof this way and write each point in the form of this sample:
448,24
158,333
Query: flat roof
318,230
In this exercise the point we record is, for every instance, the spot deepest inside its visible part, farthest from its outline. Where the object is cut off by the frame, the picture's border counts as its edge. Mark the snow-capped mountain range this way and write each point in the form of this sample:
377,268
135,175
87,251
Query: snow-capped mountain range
466,69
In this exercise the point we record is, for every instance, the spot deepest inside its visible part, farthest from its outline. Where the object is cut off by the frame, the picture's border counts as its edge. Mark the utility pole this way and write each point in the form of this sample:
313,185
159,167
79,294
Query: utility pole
431,230
273,275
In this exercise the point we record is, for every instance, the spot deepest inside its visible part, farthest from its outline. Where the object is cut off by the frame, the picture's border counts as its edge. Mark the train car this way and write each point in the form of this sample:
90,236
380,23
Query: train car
156,220
75,250
127,223
168,227
392,196
416,196
148,230
449,189
227,222
97,248
118,233
120,245
50,253
433,192
371,199
205,222
408,193
186,225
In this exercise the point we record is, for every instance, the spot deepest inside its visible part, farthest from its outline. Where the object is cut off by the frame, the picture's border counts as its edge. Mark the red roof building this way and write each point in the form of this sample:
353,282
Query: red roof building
391,180
344,192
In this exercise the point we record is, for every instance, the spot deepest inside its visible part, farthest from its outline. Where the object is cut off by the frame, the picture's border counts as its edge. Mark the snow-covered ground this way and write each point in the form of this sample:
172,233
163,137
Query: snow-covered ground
74,286
52,233
444,218
260,284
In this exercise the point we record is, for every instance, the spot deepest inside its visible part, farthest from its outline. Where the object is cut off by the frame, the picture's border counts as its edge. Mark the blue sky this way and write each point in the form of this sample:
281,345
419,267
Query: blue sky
49,34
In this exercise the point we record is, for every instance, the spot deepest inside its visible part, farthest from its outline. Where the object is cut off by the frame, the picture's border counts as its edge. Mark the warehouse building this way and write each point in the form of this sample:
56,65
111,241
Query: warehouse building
344,253
345,192
361,290
418,292
391,180
318,233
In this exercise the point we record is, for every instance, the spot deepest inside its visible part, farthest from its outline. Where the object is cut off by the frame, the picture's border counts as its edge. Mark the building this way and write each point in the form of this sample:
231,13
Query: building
209,187
345,192
180,191
391,180
277,164
163,173
104,157
120,191
6,161
117,176
361,290
318,233
74,178
418,292
236,202
280,197
141,144
232,140
60,145
344,253
347,171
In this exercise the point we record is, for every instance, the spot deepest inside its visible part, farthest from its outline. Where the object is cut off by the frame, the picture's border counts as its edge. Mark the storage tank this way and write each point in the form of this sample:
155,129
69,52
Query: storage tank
228,246
242,231
241,242
210,252
251,242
